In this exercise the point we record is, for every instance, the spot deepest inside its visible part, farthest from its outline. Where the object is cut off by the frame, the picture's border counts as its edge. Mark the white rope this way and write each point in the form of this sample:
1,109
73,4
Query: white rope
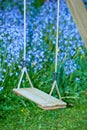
24,70
24,30
56,58
57,35
22,73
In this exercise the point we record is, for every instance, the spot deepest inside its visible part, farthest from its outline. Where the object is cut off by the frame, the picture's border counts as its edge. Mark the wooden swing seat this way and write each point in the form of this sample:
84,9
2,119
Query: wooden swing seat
40,98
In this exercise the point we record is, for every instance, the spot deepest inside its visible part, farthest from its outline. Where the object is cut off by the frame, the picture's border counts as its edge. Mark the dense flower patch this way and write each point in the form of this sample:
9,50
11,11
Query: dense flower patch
41,36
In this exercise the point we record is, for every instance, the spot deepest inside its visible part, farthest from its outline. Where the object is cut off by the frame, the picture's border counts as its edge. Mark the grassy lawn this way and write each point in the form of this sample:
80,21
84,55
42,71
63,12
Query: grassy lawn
27,116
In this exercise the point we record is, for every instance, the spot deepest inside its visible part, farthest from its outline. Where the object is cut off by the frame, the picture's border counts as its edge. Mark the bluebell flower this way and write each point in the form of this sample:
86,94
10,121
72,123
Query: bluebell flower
41,30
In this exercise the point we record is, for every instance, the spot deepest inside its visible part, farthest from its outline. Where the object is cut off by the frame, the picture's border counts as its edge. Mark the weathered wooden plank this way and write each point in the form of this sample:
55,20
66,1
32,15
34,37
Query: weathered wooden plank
52,107
40,98
79,14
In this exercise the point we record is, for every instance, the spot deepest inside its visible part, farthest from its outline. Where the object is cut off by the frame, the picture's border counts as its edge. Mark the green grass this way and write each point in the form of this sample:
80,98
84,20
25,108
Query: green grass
17,113
27,116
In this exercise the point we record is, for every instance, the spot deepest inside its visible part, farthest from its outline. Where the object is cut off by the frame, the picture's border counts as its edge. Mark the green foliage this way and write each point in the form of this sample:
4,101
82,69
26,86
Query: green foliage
38,3
20,114
6,3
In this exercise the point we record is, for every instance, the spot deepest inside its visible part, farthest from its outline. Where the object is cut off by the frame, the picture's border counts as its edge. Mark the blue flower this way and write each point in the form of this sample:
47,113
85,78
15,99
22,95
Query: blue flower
41,33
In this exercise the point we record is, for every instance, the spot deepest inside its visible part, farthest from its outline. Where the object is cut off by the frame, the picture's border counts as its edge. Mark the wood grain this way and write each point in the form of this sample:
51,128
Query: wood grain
79,14
42,99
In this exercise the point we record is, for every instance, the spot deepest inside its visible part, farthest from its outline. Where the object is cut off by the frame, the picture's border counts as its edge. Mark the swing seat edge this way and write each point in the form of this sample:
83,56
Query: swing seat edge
40,98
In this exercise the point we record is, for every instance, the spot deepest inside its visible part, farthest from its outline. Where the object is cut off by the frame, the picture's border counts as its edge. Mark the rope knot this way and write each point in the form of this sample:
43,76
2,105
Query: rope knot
55,76
24,63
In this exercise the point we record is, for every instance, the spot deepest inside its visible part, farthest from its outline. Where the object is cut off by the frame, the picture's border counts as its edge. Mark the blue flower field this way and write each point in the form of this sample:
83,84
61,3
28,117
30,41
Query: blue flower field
17,113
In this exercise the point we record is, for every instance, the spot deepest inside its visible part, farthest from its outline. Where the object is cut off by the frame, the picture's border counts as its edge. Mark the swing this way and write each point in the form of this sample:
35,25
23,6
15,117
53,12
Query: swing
42,99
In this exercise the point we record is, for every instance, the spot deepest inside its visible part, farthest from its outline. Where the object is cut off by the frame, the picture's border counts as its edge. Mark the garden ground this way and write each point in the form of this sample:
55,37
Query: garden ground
27,116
